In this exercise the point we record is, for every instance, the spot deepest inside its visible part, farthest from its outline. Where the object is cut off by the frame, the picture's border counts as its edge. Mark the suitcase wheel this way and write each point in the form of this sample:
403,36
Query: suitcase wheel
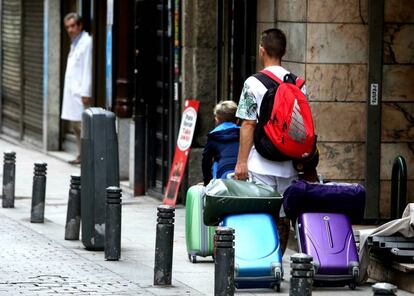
192,258
278,274
276,287
355,277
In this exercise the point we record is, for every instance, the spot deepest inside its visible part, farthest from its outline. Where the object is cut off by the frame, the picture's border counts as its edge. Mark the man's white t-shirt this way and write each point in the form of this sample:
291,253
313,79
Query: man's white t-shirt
249,106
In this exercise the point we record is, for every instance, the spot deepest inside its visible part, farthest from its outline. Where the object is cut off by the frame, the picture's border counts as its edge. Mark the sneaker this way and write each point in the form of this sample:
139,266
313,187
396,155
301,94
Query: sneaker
76,161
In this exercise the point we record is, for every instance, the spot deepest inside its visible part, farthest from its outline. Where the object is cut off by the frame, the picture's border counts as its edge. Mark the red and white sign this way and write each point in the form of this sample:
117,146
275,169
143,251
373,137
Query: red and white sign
185,138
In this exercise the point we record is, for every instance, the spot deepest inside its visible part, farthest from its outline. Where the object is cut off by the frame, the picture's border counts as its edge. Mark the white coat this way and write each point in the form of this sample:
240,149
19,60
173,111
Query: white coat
78,78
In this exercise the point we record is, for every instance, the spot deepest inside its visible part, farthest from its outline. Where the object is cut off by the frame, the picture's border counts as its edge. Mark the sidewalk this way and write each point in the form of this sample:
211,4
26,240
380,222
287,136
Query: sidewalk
36,260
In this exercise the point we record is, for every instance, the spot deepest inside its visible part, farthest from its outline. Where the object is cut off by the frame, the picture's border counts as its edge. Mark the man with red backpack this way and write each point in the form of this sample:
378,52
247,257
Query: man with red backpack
257,156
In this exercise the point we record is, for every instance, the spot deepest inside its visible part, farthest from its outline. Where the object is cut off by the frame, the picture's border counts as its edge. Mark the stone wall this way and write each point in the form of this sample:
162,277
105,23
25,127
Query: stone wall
397,134
328,45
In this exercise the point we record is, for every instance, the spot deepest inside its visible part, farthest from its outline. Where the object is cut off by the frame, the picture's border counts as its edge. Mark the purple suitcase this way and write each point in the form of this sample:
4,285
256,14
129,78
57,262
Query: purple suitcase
329,239
345,198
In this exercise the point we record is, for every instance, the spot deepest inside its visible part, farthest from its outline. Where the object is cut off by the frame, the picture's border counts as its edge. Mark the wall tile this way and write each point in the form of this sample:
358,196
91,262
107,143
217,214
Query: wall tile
398,44
341,161
399,11
339,121
199,69
337,11
296,38
296,68
266,10
195,174
397,122
385,197
259,29
200,27
337,43
291,10
398,83
336,82
391,150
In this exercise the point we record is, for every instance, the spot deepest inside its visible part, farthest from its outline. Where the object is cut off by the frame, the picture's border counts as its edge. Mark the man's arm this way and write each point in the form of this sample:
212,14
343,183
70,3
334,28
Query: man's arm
246,144
86,86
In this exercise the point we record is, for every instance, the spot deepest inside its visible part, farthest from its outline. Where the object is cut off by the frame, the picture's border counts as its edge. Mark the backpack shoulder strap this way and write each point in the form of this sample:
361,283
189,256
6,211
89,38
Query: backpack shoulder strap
267,81
292,78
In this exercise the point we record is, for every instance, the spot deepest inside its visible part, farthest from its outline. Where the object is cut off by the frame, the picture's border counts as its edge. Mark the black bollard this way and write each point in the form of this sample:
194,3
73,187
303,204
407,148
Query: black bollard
224,262
384,289
38,193
9,176
113,223
164,245
73,214
302,272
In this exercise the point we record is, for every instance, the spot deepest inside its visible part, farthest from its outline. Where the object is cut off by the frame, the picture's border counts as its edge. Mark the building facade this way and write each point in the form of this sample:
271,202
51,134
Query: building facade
149,56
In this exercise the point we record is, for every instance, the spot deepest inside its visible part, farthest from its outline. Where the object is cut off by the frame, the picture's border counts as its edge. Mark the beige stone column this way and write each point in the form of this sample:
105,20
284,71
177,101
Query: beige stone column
51,108
199,72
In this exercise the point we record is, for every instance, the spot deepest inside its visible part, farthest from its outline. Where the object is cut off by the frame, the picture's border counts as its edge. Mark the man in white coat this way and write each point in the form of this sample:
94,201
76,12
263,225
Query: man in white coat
78,76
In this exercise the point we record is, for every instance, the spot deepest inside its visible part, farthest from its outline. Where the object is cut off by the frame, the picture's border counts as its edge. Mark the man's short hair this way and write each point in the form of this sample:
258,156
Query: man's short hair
274,43
225,111
73,15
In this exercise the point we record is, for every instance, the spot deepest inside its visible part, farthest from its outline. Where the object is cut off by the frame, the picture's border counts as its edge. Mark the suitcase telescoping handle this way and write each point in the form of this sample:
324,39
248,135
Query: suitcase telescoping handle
402,252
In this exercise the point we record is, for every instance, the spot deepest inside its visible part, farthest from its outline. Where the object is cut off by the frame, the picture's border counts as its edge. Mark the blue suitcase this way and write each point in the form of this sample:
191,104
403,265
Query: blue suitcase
258,258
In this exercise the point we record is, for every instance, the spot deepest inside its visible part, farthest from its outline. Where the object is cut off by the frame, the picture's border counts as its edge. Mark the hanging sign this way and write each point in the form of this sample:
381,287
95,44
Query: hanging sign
184,140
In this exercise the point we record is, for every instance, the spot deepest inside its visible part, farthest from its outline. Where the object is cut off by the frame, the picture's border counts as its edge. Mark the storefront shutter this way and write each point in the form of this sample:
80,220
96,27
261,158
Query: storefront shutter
33,69
11,74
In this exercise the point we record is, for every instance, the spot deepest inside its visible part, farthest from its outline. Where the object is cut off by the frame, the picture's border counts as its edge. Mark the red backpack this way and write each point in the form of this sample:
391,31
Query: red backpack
284,130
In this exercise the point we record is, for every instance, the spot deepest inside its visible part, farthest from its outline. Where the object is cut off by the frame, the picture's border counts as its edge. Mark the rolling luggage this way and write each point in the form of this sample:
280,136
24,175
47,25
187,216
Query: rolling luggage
329,239
99,170
305,197
199,237
250,209
258,258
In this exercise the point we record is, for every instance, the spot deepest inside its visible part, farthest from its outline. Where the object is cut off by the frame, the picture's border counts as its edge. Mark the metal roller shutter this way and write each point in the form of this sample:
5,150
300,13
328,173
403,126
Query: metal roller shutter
11,75
33,69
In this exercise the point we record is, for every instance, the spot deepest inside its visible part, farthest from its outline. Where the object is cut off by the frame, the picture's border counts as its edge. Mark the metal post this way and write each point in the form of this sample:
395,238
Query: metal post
398,187
224,262
113,223
373,134
9,176
38,193
164,245
384,289
301,280
73,215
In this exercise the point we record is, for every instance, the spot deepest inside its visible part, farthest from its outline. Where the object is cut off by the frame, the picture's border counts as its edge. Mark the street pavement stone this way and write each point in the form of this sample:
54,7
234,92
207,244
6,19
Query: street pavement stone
34,265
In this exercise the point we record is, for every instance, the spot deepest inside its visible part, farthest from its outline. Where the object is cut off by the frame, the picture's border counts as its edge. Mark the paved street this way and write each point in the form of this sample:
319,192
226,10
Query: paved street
36,260
32,263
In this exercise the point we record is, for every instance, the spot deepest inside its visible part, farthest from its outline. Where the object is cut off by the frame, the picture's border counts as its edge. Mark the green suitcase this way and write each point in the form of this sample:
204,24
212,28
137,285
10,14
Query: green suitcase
199,237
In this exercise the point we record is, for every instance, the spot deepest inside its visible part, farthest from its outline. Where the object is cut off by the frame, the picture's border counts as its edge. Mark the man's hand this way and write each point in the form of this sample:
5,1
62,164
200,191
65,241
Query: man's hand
246,142
86,101
241,171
